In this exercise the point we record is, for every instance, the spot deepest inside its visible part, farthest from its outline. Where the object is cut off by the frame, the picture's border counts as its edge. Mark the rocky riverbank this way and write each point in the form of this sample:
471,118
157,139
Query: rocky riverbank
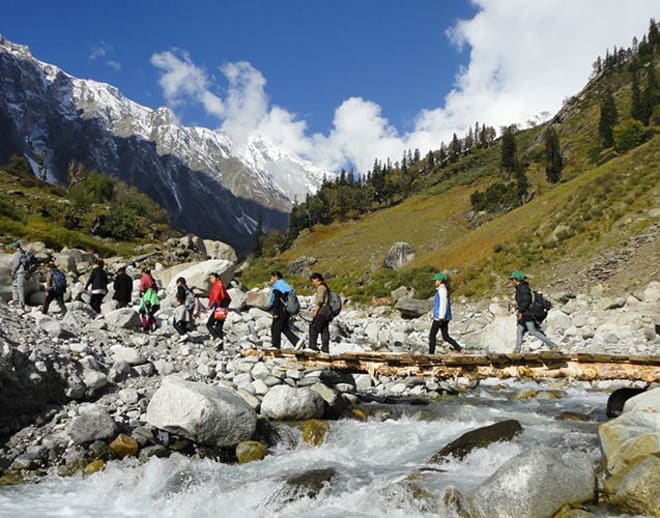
78,392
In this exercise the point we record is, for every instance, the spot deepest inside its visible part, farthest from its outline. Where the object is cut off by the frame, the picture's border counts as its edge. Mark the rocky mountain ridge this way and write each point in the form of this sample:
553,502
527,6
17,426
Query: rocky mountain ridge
208,185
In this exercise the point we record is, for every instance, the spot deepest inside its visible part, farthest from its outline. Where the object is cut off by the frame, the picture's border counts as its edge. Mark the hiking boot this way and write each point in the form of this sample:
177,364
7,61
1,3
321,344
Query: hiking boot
299,344
183,338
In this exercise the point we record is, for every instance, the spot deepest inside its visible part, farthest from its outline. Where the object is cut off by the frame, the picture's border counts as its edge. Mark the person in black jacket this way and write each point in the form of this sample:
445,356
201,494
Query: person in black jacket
526,322
123,286
98,281
281,317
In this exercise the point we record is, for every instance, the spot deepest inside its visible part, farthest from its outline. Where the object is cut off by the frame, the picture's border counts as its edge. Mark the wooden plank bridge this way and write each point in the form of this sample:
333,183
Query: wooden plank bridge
542,365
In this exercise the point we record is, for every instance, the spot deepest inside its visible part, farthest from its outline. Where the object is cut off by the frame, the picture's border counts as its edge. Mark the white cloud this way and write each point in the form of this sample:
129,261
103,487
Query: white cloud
524,58
102,51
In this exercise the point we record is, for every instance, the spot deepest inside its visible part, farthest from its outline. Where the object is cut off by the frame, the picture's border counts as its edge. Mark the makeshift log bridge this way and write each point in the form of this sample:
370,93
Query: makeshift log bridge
541,365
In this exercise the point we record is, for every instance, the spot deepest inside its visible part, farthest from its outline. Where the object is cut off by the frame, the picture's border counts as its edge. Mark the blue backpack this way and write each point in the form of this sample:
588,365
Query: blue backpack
59,282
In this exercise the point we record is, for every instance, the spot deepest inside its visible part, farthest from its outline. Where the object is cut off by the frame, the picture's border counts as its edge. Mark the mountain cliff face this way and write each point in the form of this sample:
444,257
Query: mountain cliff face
206,184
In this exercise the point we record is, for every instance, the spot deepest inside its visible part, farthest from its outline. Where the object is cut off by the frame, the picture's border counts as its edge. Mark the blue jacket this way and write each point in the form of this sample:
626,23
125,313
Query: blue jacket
281,286
441,304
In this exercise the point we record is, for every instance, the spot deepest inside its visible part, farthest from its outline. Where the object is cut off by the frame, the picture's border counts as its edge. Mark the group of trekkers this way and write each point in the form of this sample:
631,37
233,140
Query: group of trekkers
283,303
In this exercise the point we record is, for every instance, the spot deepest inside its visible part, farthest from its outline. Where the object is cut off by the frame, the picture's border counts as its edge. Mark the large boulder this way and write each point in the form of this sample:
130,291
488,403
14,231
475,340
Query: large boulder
121,353
49,324
399,255
257,299
499,336
551,480
285,403
479,438
197,275
211,415
413,308
125,318
300,264
636,488
219,250
91,425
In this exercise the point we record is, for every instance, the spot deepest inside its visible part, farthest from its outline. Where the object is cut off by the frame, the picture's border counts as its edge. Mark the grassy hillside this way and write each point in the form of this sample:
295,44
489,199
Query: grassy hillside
99,214
603,198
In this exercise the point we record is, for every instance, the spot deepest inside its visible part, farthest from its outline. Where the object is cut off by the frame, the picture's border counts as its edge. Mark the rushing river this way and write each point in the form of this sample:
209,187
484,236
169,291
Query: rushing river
372,461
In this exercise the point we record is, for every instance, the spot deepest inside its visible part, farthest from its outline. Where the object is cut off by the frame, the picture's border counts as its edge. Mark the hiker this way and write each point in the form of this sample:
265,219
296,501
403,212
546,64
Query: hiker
191,300
98,281
442,314
147,281
322,315
123,286
181,318
526,322
218,302
281,318
55,288
149,305
20,271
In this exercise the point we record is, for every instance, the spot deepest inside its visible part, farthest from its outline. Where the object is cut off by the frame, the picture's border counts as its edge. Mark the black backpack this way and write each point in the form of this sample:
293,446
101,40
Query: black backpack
28,262
540,307
334,303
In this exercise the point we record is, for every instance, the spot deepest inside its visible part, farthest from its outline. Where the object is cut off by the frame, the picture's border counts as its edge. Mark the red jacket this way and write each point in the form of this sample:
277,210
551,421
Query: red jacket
146,282
217,295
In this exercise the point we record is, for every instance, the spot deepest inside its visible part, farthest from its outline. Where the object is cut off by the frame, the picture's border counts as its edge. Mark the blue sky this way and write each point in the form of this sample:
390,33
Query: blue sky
339,81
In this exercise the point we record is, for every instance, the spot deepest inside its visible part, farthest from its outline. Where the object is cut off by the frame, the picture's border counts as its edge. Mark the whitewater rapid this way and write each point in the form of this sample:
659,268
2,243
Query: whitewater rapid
372,460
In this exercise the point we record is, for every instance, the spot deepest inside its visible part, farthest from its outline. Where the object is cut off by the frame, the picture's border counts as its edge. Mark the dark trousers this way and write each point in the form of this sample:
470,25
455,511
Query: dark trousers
181,326
96,301
281,325
52,296
215,326
320,325
443,327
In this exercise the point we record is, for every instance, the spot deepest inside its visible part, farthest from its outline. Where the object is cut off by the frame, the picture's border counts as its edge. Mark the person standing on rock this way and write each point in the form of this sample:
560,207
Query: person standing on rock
281,318
441,314
123,286
18,275
322,315
149,305
526,322
55,288
98,282
218,302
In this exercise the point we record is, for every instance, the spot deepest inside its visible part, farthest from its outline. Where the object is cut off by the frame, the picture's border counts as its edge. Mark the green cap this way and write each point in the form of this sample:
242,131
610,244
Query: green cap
15,244
518,275
440,277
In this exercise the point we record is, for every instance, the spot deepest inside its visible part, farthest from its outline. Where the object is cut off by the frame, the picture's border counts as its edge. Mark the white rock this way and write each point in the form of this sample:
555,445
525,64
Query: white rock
93,379
363,382
652,292
93,424
558,319
197,275
125,318
206,414
286,403
500,335
129,395
50,325
127,354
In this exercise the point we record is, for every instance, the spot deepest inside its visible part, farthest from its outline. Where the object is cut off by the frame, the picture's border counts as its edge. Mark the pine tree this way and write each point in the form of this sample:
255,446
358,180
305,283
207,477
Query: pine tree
508,158
654,36
636,107
608,118
454,148
430,160
650,95
554,162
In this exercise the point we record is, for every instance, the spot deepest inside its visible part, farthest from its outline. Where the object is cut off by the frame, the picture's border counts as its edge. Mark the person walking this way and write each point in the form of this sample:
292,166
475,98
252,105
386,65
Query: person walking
322,315
147,281
218,302
149,305
123,286
181,318
191,300
98,282
526,322
18,274
442,314
55,288
280,289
